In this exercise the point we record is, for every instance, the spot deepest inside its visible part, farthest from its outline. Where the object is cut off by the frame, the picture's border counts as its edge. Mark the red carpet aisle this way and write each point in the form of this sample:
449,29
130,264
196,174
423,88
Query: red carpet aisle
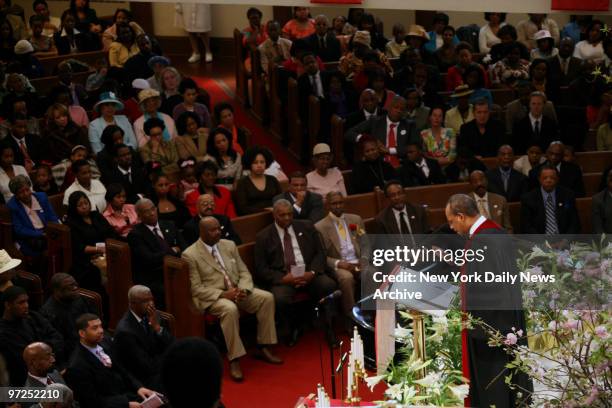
270,386
260,134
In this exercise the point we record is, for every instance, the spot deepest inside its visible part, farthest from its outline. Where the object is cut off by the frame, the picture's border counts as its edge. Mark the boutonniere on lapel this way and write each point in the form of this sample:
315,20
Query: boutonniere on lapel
560,205
300,234
403,132
356,230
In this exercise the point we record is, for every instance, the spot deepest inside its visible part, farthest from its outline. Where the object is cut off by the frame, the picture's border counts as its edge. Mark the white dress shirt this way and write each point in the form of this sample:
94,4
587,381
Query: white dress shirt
533,121
315,81
423,166
396,213
299,259
4,180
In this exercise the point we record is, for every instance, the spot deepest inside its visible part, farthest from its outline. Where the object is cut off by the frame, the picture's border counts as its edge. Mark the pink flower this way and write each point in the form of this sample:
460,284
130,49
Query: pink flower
510,339
520,333
601,332
571,324
592,396
553,325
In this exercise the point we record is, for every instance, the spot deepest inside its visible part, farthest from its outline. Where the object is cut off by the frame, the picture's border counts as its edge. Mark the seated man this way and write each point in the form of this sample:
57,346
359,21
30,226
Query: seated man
483,135
40,362
313,82
222,285
289,258
504,180
463,166
323,42
274,50
392,131
400,217
133,179
140,338
490,205
96,379
551,208
64,306
535,128
343,237
570,174
150,241
306,204
206,208
28,148
20,327
518,109
419,170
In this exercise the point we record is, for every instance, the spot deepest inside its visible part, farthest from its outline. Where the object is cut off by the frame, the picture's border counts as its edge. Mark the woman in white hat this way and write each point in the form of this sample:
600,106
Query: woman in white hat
545,46
8,274
149,101
107,107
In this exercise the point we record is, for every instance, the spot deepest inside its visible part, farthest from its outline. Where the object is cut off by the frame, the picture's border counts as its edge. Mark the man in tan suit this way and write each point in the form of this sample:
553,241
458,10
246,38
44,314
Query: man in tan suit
222,285
490,205
343,236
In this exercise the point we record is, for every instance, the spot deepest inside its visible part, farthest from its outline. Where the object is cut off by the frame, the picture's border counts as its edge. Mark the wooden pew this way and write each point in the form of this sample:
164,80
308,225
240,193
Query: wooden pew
119,273
33,287
258,88
57,202
242,80
247,254
366,205
295,126
370,225
94,299
6,240
50,64
44,85
59,248
337,140
189,320
276,106
594,162
247,226
590,142
584,213
433,196
591,183
436,217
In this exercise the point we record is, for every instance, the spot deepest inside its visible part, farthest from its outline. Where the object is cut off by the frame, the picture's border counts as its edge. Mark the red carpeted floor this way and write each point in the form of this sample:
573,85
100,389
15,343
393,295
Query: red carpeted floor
260,134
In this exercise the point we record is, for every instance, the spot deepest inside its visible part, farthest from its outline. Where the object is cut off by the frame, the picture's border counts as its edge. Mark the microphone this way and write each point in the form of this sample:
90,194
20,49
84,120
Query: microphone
337,293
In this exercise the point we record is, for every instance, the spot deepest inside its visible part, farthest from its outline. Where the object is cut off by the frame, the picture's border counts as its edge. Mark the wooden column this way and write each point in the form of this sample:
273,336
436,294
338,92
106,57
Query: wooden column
143,15
282,14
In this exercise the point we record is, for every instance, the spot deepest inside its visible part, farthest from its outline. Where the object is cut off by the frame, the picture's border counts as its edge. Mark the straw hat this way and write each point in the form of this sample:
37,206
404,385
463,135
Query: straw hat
147,94
461,90
6,262
542,35
108,97
23,47
416,30
363,38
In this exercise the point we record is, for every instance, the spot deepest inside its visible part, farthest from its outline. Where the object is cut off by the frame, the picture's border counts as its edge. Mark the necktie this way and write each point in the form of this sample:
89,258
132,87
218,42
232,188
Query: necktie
103,357
288,250
392,143
404,228
322,42
564,66
536,128
160,238
128,176
505,175
226,278
551,217
145,324
315,86
24,150
341,230
482,208
424,168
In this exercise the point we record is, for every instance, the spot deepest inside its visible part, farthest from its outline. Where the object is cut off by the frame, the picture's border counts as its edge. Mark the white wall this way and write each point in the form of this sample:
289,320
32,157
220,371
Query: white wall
58,7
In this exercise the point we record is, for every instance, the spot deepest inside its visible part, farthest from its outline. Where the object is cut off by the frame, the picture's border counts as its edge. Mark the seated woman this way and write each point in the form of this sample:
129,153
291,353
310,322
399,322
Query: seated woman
324,179
539,72
189,90
487,36
372,171
462,112
86,18
62,134
206,174
120,215
446,55
62,94
352,63
300,26
122,16
43,182
591,49
107,106
62,171
169,207
340,96
253,35
68,39
150,102
475,79
225,118
255,192
124,47
274,169
220,148
83,182
377,82
192,138
546,46
89,231
8,170
157,149
415,109
511,69
30,213
507,36
439,143
43,45
455,74
170,81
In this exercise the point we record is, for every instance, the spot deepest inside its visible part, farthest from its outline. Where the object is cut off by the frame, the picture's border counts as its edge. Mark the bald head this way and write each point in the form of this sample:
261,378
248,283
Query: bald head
368,100
210,230
147,212
38,358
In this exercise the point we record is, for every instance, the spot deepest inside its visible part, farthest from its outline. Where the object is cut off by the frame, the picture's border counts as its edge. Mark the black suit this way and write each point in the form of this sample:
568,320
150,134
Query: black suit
386,223
139,350
148,255
412,175
524,136
191,230
34,147
352,120
486,144
570,177
377,128
97,386
533,212
139,183
601,212
306,88
517,184
367,175
328,52
560,77
312,208
83,41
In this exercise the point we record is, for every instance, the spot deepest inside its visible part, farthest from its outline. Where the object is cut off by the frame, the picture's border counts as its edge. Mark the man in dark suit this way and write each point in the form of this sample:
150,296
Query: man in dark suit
570,174
483,135
312,83
40,362
400,217
20,327
97,380
64,306
289,258
535,128
206,208
28,148
504,180
551,208
368,108
323,42
418,170
141,338
601,206
306,205
392,131
150,241
125,172
564,68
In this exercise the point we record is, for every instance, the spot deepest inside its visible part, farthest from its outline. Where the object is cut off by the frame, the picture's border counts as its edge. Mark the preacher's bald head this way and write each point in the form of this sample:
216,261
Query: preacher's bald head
462,204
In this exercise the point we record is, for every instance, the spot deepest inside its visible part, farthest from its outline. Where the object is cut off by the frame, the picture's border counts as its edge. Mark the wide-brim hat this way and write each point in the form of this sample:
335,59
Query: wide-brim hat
147,94
6,262
542,35
416,30
108,97
158,59
461,91
363,38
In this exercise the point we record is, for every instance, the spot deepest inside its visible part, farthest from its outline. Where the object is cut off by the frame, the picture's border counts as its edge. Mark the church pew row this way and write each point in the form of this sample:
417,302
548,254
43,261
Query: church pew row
119,278
247,226
44,85
259,97
590,162
50,64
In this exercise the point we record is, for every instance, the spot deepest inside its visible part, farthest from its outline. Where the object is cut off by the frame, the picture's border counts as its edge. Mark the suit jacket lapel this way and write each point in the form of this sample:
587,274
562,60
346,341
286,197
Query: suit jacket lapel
208,258
332,233
391,221
353,236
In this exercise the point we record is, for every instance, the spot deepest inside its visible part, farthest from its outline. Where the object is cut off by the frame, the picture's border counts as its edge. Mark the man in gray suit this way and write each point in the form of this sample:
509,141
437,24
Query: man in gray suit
306,204
39,360
602,209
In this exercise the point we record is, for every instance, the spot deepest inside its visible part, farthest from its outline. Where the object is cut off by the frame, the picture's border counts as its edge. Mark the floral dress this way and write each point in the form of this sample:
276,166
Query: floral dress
446,147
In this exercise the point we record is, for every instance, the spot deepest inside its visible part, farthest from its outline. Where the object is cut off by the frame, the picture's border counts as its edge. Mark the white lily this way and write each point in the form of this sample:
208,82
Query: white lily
373,381
460,391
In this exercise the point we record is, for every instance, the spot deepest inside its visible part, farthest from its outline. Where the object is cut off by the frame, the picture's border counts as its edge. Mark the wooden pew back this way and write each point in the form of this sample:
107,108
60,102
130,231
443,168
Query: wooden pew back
365,205
247,254
34,288
59,248
119,273
94,299
50,64
247,226
189,321
57,202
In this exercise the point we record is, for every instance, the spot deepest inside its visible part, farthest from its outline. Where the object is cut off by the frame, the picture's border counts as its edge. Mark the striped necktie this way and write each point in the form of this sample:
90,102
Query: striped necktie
551,217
